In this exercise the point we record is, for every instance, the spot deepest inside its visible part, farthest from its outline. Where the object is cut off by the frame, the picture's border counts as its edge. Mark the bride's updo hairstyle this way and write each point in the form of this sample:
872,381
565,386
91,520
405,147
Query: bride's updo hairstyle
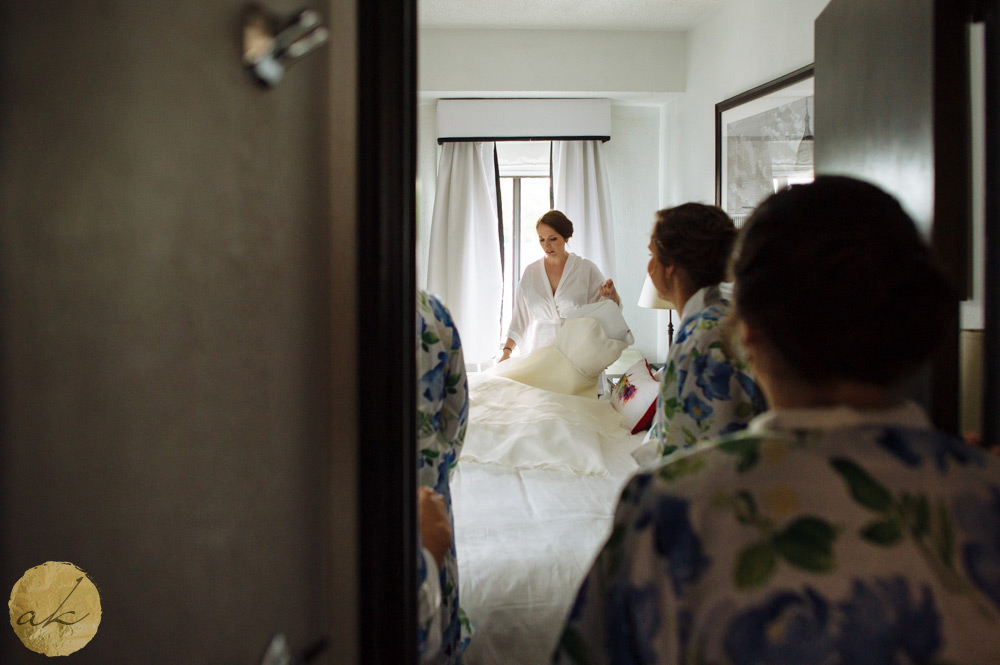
558,221
838,282
698,238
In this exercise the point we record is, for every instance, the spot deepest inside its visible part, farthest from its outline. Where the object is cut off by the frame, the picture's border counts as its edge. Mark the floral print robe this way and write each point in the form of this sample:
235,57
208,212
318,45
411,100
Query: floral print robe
442,412
706,390
815,537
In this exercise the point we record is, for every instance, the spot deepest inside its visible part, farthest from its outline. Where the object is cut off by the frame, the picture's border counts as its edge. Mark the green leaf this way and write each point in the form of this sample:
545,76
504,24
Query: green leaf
689,438
744,410
746,449
864,488
573,645
670,374
685,466
945,536
670,407
807,543
745,507
464,620
430,337
755,565
430,454
883,533
715,345
453,380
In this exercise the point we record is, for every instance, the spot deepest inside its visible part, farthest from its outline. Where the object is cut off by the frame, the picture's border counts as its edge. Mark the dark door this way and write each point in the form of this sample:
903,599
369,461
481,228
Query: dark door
892,107
167,242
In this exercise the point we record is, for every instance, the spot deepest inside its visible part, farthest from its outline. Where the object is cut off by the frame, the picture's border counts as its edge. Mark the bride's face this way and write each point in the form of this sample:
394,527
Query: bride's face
552,243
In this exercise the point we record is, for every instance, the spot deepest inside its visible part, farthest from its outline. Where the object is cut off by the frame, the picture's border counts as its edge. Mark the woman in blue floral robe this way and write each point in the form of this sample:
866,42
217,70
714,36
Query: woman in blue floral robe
442,412
706,390
840,527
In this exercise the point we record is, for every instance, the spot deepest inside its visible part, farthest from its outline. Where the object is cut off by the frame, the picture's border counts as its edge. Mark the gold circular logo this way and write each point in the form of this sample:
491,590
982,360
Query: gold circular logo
55,609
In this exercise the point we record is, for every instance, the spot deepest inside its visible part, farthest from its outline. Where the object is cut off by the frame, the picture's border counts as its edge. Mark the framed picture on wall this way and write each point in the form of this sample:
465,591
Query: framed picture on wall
763,142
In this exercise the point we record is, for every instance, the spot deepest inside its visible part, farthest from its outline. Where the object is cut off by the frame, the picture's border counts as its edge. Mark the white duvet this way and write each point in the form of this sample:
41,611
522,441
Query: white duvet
533,494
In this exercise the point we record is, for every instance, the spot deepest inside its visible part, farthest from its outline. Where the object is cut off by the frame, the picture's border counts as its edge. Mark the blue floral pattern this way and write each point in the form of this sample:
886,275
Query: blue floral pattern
979,516
442,414
706,389
871,540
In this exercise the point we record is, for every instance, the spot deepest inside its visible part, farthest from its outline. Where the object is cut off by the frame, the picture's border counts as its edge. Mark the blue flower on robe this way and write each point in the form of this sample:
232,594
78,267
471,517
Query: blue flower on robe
712,314
451,642
882,624
751,388
788,629
433,379
442,487
685,331
632,620
696,408
942,447
441,312
675,539
732,427
713,376
980,519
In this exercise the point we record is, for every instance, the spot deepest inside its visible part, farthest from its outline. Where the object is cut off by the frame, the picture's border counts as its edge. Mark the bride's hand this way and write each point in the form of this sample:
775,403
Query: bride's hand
608,291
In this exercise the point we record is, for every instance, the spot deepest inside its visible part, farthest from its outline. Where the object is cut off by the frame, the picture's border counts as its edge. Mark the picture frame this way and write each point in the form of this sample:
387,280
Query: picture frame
763,142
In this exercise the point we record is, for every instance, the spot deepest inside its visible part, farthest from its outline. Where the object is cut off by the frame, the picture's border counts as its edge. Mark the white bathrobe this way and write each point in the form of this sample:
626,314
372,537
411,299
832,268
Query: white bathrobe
538,313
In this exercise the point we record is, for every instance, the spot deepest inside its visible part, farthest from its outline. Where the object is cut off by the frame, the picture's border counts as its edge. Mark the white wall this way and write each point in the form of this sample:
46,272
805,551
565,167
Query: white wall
485,63
743,44
633,158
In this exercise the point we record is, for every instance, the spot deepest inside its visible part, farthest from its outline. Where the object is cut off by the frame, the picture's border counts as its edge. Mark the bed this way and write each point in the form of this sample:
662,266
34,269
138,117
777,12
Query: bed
533,494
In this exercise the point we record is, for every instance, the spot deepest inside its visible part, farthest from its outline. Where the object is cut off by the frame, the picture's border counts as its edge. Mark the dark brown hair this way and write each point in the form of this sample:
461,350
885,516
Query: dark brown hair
837,279
698,238
557,221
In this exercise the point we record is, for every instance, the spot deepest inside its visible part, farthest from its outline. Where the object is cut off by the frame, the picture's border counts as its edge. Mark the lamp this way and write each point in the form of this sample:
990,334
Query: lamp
650,299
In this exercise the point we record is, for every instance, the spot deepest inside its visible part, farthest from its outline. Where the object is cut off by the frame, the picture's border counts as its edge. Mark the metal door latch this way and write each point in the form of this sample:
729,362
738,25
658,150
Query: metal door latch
279,652
271,45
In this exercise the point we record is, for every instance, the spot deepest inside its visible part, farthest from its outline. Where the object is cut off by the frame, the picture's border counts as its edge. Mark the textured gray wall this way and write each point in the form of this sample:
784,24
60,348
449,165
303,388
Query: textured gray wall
165,248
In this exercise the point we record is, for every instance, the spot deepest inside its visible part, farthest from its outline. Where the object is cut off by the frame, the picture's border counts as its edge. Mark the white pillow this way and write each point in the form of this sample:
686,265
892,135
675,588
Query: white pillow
609,315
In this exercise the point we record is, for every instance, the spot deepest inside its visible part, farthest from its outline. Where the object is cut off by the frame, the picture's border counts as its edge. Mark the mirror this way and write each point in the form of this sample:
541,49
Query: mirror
525,532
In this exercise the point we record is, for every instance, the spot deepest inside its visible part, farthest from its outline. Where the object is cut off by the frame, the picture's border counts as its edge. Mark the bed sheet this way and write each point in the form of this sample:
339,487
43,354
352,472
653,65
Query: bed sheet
525,538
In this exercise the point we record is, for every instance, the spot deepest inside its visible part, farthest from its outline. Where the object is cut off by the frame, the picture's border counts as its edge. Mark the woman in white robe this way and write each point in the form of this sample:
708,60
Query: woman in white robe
553,286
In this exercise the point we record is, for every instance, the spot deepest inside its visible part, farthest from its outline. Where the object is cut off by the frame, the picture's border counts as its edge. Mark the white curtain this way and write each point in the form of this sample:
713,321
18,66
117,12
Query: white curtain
464,256
580,190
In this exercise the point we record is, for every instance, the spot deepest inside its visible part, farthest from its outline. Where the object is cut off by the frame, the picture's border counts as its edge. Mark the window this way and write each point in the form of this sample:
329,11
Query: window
525,194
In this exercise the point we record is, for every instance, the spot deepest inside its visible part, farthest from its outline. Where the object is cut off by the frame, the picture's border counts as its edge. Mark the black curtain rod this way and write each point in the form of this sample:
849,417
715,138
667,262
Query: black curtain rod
459,139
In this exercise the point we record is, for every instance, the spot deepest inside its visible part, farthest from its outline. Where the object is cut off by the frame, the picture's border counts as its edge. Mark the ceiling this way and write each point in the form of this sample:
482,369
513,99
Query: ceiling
565,14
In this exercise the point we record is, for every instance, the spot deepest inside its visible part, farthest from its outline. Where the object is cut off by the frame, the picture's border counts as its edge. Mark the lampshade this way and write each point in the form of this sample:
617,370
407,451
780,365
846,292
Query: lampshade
650,299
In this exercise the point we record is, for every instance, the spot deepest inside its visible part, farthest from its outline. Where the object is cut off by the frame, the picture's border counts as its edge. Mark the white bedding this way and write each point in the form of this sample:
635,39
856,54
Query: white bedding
528,524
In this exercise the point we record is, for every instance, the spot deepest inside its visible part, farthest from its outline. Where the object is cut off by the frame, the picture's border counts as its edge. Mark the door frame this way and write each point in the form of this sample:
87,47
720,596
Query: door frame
386,297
